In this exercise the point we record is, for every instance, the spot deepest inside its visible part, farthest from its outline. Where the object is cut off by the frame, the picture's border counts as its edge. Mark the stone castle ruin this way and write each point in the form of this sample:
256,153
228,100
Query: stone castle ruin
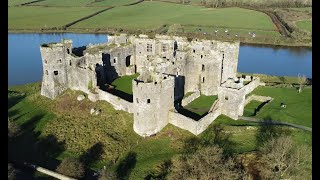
168,68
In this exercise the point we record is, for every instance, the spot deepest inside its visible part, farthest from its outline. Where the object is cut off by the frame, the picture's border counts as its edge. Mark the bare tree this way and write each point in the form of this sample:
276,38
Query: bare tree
12,172
281,159
206,163
302,79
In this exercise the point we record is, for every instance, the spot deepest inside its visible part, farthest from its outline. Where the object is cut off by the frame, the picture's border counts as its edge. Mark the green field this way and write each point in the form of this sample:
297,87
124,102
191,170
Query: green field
152,15
202,104
299,105
35,18
306,25
124,83
250,108
55,129
84,3
17,2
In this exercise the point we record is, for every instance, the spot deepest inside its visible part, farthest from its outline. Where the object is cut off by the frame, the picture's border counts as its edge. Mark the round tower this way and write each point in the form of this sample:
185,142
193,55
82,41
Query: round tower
153,97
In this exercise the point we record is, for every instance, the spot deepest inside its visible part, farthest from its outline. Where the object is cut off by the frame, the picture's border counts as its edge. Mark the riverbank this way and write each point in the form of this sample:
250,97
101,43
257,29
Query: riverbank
282,41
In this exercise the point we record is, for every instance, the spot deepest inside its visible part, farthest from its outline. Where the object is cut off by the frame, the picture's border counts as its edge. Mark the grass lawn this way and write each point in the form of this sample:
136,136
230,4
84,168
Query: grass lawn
202,104
113,2
17,2
151,15
35,18
244,136
55,129
299,105
65,128
249,108
84,3
306,25
124,83
63,2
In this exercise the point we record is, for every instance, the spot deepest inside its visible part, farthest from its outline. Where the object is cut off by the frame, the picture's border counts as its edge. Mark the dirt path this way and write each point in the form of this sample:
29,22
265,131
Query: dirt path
275,123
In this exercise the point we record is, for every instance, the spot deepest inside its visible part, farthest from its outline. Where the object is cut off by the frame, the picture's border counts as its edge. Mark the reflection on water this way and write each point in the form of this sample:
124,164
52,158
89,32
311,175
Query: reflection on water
24,63
275,60
25,66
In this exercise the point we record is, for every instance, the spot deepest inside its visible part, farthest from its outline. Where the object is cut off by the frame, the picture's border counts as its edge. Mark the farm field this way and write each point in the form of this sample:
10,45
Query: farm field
39,17
17,2
63,3
146,16
306,25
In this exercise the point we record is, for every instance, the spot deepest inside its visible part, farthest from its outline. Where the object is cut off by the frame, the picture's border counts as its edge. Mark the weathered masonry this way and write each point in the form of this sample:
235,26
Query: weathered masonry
169,66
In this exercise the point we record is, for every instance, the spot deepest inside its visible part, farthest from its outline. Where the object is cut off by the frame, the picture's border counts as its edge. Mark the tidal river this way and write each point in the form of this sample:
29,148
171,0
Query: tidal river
25,66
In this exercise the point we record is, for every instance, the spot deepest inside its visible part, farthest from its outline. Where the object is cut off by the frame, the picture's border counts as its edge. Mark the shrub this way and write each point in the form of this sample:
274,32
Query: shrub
12,172
71,167
13,129
206,163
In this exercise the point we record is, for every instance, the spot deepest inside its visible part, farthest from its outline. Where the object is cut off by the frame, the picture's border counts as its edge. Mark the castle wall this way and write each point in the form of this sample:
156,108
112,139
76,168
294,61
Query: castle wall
152,100
118,58
195,127
230,53
202,73
143,48
233,100
190,98
118,103
54,70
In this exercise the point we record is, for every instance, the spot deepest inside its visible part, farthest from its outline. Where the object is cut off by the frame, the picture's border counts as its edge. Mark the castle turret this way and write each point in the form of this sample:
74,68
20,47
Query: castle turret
54,79
153,97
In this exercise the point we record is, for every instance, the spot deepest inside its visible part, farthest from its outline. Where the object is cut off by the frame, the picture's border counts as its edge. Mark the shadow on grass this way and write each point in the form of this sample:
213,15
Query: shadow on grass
216,135
13,113
162,171
126,165
92,155
191,145
267,131
29,147
14,99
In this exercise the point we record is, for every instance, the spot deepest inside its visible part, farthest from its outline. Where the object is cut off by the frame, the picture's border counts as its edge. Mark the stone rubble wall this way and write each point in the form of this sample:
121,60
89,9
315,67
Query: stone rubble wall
115,101
183,122
195,127
190,98
257,98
